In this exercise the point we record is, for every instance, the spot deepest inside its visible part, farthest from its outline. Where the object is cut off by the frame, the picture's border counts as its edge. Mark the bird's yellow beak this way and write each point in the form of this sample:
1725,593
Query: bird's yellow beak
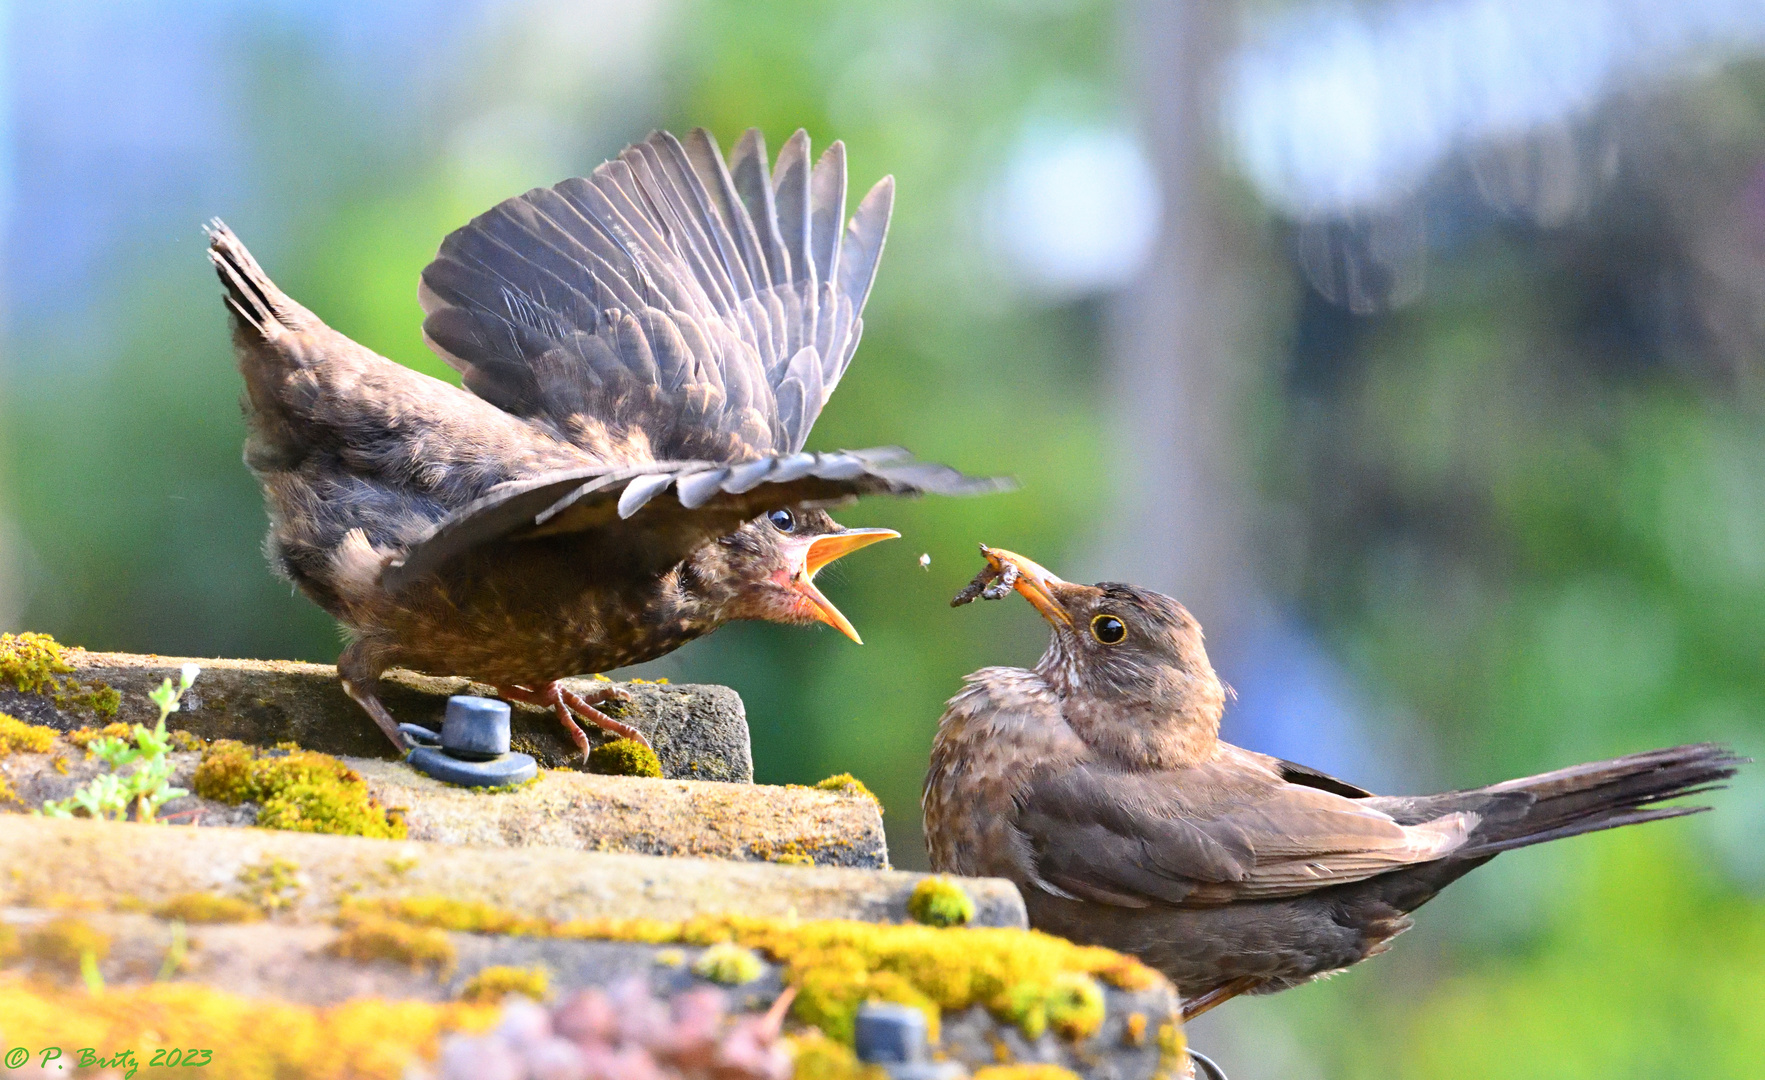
823,550
1034,582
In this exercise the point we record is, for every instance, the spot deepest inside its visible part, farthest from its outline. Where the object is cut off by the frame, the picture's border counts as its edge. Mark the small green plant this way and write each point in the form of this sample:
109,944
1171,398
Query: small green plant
148,787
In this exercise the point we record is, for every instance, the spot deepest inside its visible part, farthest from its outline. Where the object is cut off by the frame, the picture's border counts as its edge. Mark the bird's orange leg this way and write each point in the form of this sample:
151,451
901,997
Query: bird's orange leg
584,706
1219,995
565,704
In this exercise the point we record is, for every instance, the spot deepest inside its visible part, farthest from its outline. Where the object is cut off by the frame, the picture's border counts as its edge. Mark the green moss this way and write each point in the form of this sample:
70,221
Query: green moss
838,965
368,938
17,735
63,943
494,983
98,697
729,964
297,790
938,901
1172,1048
32,662
209,908
624,757
848,784
272,885
464,916
1074,1005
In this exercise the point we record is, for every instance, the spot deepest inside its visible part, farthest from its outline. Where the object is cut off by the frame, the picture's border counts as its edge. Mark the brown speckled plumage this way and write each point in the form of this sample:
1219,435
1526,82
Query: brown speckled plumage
644,352
1098,783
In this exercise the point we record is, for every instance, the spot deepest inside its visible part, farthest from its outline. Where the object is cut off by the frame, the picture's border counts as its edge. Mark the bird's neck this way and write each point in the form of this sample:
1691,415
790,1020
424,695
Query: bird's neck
1167,726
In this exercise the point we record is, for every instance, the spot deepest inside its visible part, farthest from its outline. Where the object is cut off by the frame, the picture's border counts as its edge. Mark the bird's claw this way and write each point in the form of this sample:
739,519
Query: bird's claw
994,582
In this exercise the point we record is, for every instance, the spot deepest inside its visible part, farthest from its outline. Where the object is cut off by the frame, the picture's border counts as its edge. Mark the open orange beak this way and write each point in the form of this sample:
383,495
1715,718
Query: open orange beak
823,550
1034,582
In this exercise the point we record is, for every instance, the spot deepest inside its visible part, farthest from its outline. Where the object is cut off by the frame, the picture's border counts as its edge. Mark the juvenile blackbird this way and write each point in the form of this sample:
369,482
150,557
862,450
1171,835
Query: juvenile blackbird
670,322
1098,783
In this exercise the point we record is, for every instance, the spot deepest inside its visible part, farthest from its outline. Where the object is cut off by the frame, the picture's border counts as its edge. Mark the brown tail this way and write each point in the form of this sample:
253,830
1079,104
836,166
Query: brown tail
1595,796
258,306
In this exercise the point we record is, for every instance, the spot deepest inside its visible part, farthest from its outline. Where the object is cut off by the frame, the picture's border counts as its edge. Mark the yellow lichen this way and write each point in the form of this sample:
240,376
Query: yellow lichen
938,901
297,790
63,943
17,735
729,964
494,983
1134,1030
83,737
624,757
838,965
209,908
250,1039
9,947
847,784
7,795
1025,1072
369,938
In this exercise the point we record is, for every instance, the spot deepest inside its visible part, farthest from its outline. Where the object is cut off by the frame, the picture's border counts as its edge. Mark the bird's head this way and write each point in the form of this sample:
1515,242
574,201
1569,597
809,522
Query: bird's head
1129,666
774,559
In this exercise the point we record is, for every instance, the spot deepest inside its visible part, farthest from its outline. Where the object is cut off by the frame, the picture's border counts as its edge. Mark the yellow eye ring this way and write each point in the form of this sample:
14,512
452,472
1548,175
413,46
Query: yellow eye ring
1109,630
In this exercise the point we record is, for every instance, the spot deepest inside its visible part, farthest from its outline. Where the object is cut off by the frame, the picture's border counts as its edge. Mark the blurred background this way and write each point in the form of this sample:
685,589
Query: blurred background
1418,346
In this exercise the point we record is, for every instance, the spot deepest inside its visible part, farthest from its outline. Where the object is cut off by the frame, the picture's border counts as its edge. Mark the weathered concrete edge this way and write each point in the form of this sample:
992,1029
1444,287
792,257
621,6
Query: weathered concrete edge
112,864
700,731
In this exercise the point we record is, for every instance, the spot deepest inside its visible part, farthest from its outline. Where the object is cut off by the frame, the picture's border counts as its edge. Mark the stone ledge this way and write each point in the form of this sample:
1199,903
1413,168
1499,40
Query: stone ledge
690,818
120,865
290,962
700,732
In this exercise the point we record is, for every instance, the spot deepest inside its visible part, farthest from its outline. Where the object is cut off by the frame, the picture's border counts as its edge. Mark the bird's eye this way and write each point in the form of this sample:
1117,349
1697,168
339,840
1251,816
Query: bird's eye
782,520
1108,629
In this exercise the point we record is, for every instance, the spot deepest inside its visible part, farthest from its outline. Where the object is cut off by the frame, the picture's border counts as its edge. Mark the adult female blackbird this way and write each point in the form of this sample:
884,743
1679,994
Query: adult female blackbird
668,322
1098,783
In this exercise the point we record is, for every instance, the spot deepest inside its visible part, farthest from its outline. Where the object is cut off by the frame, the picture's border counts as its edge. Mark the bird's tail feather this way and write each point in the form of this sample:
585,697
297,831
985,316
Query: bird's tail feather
256,302
1595,796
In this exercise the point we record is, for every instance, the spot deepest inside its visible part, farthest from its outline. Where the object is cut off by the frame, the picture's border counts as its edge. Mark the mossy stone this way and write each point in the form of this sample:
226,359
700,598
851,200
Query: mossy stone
624,757
938,901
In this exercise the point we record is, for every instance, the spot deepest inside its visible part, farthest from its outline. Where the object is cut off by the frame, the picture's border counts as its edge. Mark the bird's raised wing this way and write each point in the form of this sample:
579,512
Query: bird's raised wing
669,307
709,500
1135,839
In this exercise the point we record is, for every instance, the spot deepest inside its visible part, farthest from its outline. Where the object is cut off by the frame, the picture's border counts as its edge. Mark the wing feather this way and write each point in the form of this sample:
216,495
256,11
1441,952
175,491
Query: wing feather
706,281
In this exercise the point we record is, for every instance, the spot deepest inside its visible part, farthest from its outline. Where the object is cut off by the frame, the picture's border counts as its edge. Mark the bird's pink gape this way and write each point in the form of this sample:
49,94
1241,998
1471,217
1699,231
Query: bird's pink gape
816,554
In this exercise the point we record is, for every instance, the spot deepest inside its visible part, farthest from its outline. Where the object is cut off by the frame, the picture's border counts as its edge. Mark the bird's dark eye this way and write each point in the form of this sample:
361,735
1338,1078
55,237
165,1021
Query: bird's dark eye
1108,629
782,520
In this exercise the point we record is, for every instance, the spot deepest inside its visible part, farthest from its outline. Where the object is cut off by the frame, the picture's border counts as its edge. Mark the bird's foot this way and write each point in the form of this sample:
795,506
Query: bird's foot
584,706
568,705
994,582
